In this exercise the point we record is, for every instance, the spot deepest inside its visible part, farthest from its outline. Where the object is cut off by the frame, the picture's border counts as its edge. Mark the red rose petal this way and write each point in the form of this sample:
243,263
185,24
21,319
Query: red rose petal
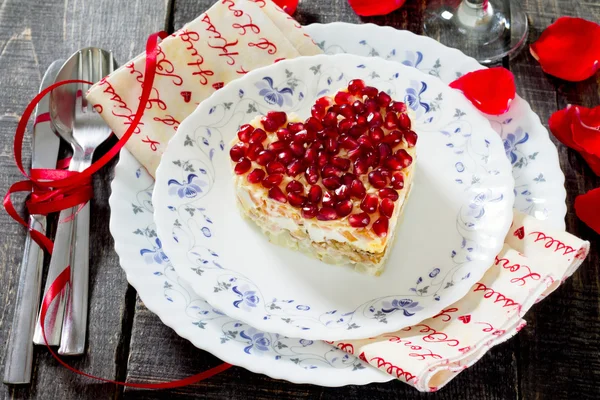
585,127
368,8
569,49
586,208
289,6
490,90
560,126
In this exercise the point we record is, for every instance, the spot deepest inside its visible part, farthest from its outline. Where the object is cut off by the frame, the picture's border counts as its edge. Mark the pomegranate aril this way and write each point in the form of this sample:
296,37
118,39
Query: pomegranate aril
377,180
258,136
297,149
277,147
274,120
371,106
391,121
387,193
332,146
346,111
358,130
386,208
355,153
294,168
380,227
294,187
327,214
285,157
376,134
237,152
245,132
254,150
323,101
309,211
372,158
315,194
374,119
369,203
411,138
275,167
272,180
404,157
386,173
265,157
294,127
342,193
359,220
310,155
384,150
404,122
342,98
348,143
366,142
393,138
296,199
330,170
341,163
345,125
355,86
358,107
327,199
370,92
256,176
393,163
318,111
322,159
242,166
383,99
330,119
277,194
301,136
360,166
332,182
313,124
284,134
348,178
397,106
397,181
357,189
311,174
343,208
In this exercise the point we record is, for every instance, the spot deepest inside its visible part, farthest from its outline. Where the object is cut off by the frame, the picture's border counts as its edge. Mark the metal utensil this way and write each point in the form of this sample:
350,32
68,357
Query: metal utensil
19,355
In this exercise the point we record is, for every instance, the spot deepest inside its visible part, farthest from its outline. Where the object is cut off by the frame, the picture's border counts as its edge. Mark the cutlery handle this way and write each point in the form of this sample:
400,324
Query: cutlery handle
19,354
72,341
61,256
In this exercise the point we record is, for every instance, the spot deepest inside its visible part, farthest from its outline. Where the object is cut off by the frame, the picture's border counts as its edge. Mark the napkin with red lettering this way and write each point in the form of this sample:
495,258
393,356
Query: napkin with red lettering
535,260
230,39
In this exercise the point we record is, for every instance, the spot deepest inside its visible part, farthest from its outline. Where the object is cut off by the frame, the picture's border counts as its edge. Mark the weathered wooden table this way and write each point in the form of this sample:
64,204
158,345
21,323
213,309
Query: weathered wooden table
557,356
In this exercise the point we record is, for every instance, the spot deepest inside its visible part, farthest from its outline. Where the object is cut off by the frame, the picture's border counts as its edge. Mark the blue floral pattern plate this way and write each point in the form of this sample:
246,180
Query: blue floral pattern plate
454,224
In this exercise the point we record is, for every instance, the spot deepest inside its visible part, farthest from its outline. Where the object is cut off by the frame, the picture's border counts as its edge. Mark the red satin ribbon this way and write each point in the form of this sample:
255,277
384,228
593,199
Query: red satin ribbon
56,189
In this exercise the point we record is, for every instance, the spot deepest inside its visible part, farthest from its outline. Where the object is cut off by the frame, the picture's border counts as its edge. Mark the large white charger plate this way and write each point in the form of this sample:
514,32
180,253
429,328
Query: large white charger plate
150,273
454,224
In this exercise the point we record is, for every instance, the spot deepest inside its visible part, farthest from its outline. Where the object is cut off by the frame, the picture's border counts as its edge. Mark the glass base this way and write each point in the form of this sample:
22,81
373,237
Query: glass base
487,30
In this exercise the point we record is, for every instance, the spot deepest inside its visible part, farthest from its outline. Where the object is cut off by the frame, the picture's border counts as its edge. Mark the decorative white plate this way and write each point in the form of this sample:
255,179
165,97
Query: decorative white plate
454,224
173,300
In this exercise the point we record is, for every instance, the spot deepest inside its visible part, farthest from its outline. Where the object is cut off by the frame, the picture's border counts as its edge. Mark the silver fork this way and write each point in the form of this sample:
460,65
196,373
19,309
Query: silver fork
85,130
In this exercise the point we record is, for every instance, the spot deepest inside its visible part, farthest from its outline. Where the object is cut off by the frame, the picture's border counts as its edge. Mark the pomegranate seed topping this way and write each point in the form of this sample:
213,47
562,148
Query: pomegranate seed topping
327,214
332,146
348,143
404,157
393,138
358,107
330,119
348,178
296,200
359,220
318,111
341,163
332,182
383,99
411,138
297,149
310,155
374,119
397,181
369,203
404,122
295,127
311,174
254,150
387,193
366,142
391,121
360,166
315,193
343,208
329,170
361,120
245,132
329,133
328,199
385,172
237,152
273,120
387,208
276,194
342,98
355,86
242,166
380,227
258,136
323,101
355,153
342,193
346,111
285,157
272,180
377,180
372,159
275,167
357,130
397,106
371,106
370,92
393,163
294,187
256,176
313,124
269,124
265,157
284,134
345,125
294,168
357,189
277,147
309,211
384,150
301,136
322,159
376,134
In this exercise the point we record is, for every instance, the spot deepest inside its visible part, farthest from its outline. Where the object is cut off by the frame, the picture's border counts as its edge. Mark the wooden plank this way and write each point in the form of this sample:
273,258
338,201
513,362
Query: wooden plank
494,377
556,356
32,35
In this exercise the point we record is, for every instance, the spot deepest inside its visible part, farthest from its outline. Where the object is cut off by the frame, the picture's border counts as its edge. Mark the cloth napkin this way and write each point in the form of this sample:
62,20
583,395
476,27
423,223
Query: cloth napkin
534,261
230,39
